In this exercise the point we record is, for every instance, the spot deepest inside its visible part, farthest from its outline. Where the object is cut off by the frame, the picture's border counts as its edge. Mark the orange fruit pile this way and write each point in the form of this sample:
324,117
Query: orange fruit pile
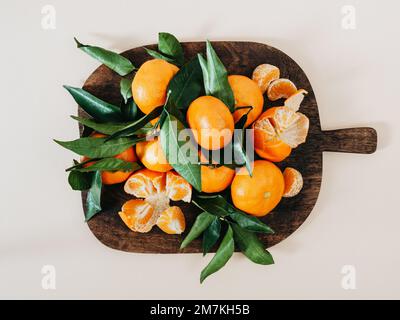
277,131
153,191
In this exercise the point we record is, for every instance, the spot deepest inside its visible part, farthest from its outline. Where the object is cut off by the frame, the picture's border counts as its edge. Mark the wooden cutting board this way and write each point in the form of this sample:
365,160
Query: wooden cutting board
239,58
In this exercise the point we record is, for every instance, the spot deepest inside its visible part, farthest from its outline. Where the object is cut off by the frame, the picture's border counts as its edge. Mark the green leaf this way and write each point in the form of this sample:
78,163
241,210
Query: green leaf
216,77
240,154
170,46
211,235
125,86
133,127
108,127
186,85
221,257
201,223
129,110
93,205
80,180
110,164
95,107
114,61
249,223
251,246
99,147
158,55
216,205
175,151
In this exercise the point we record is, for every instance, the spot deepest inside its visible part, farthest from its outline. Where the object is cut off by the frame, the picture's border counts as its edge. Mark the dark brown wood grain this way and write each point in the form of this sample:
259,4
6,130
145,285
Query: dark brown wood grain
239,58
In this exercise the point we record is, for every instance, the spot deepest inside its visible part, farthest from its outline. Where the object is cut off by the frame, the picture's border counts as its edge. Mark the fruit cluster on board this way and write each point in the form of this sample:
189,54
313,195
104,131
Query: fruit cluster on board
137,145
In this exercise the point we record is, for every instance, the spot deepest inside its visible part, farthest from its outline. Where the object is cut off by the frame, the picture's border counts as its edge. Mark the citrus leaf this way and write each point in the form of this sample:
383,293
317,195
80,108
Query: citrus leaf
99,147
240,154
216,205
133,127
110,164
221,257
95,107
251,246
108,127
211,235
170,46
80,180
216,77
174,149
114,61
125,86
186,85
158,55
201,223
249,223
93,205
129,110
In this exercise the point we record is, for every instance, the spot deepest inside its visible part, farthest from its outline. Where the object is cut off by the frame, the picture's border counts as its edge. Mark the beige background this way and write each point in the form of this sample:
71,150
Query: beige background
356,220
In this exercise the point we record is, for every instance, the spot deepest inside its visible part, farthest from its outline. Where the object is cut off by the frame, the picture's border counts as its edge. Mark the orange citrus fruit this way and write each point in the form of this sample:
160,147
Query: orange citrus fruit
149,86
155,189
114,177
281,88
247,94
260,193
152,156
213,178
277,131
211,122
294,101
172,221
264,74
293,182
266,143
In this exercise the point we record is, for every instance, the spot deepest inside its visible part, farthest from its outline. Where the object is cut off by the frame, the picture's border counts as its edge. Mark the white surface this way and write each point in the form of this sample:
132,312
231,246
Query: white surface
354,73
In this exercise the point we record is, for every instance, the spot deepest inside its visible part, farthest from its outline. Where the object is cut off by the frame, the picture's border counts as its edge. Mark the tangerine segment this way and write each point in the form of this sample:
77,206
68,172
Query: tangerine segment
149,86
211,122
293,182
264,74
247,94
295,100
258,194
291,127
281,88
144,183
177,188
266,142
138,215
152,156
172,221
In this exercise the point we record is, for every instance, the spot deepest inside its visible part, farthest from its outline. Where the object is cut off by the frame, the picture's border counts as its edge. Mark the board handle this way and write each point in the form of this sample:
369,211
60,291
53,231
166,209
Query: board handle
351,140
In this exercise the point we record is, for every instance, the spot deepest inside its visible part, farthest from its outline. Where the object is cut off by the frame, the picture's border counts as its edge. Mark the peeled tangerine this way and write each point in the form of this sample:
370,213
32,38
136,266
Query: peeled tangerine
277,131
264,74
155,190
